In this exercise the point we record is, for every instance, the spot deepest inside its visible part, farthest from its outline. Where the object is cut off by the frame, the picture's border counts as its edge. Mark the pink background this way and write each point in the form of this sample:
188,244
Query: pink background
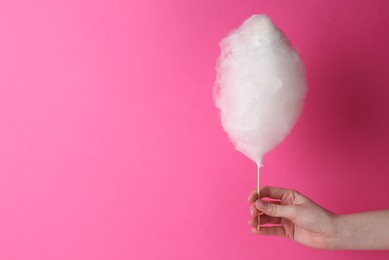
111,147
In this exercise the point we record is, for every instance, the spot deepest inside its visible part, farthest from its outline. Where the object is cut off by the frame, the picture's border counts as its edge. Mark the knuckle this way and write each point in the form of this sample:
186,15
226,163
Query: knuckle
294,195
291,197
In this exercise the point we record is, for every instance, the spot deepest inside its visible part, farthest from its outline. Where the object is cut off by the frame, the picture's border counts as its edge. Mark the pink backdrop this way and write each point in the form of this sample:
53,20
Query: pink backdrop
111,148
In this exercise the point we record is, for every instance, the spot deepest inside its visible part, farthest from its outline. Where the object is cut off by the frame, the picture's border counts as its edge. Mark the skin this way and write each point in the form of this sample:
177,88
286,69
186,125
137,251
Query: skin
294,216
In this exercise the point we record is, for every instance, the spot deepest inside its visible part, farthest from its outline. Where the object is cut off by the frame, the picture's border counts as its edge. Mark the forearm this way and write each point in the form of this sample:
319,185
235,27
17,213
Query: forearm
366,230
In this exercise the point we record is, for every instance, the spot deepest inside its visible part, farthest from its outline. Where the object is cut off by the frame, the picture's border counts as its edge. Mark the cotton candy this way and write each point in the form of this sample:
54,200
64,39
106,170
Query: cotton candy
260,86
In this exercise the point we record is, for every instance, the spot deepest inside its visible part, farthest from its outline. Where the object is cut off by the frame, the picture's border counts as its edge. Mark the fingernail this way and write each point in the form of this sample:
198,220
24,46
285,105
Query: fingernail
260,204
249,198
252,211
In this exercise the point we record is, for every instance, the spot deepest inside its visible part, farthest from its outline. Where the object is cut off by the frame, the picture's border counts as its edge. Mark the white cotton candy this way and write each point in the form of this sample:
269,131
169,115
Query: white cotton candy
260,86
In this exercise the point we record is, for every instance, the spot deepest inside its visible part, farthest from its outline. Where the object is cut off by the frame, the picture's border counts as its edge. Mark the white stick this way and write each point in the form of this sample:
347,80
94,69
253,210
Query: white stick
258,188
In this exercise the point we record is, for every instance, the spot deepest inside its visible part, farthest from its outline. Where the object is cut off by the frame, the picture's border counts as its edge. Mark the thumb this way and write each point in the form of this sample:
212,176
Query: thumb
274,210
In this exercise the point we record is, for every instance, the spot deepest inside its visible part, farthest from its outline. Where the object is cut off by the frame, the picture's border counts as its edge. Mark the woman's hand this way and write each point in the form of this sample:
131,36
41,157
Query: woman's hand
293,216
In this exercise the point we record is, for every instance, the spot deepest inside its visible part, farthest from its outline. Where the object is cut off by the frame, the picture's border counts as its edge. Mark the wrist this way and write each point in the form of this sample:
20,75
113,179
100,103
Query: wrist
342,233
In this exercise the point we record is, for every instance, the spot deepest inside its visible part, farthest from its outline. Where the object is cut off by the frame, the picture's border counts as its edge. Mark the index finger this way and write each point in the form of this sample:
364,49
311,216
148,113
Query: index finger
270,192
253,196
274,192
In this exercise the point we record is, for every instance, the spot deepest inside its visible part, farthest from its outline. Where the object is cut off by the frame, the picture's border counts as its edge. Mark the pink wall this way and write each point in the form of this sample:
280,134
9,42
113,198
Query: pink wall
111,148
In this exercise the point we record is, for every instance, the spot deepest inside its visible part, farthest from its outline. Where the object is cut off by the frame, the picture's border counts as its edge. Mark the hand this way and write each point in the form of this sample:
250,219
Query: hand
293,216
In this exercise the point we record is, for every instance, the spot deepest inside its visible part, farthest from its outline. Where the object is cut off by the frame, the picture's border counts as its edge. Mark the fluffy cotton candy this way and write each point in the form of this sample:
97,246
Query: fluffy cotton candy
260,86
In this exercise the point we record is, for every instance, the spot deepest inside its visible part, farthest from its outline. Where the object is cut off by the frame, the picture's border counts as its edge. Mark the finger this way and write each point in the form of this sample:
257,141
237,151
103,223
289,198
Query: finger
275,192
274,210
264,219
253,196
254,211
270,231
